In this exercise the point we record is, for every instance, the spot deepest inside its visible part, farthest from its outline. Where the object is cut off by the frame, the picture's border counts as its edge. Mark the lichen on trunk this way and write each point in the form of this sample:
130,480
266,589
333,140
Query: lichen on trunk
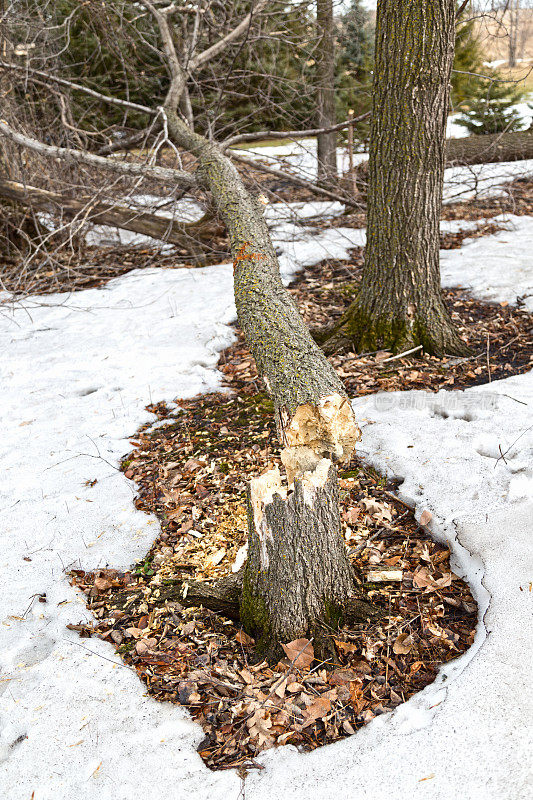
399,303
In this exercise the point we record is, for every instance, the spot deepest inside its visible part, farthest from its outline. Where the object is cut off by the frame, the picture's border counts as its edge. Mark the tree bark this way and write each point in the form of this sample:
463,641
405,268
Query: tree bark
185,235
399,304
297,576
325,75
222,597
315,422
494,147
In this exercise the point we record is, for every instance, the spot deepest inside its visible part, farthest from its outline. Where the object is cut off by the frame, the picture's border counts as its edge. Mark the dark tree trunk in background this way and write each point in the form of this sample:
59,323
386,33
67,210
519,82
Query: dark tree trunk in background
399,304
325,75
512,30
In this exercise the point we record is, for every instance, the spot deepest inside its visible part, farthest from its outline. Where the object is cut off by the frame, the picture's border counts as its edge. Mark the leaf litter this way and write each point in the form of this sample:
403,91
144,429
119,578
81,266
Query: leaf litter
192,472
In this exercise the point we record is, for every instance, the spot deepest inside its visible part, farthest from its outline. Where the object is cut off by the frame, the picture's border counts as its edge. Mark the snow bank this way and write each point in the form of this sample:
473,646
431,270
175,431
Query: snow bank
497,268
76,373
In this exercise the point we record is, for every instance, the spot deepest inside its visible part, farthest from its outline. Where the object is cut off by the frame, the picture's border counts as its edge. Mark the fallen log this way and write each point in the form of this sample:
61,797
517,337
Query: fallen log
495,147
490,148
98,212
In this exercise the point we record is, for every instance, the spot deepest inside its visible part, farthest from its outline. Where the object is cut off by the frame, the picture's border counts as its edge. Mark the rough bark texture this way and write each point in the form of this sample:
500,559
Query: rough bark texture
490,147
101,213
307,577
294,368
297,575
223,597
325,75
400,304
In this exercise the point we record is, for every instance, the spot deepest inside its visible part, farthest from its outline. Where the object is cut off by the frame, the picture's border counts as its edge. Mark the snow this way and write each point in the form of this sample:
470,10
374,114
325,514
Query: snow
299,156
525,114
182,210
76,373
460,183
483,180
502,272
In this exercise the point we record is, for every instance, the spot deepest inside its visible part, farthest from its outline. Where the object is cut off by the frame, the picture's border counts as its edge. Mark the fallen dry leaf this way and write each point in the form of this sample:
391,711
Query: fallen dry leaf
317,710
102,584
244,639
403,644
300,652
425,518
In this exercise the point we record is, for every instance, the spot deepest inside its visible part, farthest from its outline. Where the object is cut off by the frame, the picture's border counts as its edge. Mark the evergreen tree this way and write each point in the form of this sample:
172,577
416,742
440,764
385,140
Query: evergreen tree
492,111
467,64
355,63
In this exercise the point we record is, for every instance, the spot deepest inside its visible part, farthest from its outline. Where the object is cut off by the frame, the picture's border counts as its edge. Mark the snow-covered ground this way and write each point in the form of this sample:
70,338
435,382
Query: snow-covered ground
460,183
76,373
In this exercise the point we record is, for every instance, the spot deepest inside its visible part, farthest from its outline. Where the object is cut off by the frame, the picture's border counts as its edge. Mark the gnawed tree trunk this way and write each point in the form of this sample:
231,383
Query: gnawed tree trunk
297,575
185,235
325,75
315,422
399,304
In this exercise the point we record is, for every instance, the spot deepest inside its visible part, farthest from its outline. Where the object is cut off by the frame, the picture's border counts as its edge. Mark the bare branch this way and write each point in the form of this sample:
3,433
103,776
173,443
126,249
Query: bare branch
177,75
124,144
111,165
286,176
217,48
461,8
89,209
252,137
45,77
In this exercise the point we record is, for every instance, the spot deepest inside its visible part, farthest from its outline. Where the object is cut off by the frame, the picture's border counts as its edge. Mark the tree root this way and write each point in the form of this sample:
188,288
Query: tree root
224,596
360,331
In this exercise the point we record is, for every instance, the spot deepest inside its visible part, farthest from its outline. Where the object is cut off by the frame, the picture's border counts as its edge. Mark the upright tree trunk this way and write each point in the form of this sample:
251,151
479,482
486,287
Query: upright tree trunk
514,24
325,74
297,575
399,303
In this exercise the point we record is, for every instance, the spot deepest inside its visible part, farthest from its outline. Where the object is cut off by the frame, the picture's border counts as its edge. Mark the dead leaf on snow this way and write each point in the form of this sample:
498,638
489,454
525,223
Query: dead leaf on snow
425,518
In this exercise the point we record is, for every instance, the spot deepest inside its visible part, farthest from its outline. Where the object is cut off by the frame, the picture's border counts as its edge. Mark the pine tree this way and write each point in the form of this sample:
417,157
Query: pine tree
467,64
493,110
355,63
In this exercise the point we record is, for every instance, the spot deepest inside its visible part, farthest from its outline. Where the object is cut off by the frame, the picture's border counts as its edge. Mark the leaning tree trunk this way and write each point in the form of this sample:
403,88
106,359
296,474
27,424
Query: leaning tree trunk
297,575
325,76
399,304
